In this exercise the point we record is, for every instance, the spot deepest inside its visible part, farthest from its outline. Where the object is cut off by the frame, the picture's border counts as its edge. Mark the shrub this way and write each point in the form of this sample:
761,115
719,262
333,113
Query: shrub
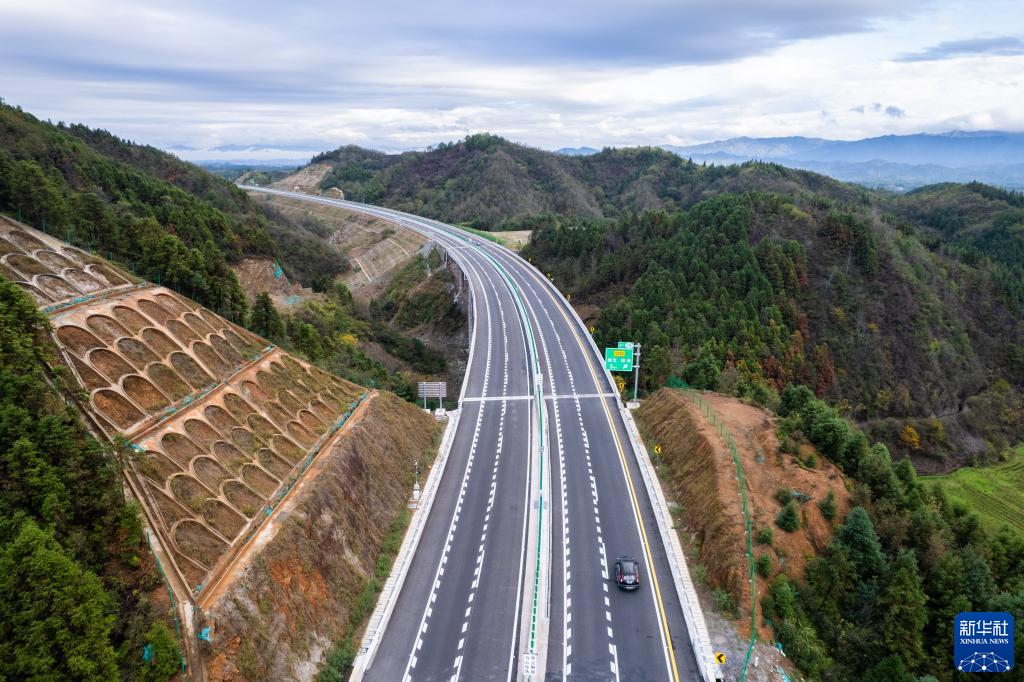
828,506
765,535
166,656
783,495
910,437
803,646
724,602
794,398
764,565
789,518
784,597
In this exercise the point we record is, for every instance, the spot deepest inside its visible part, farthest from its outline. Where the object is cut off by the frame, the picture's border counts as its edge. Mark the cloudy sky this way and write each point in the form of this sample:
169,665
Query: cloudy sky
395,74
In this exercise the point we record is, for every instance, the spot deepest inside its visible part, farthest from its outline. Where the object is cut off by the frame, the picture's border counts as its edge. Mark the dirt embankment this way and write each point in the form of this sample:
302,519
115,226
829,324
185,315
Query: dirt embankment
281,615
307,179
376,248
702,478
257,275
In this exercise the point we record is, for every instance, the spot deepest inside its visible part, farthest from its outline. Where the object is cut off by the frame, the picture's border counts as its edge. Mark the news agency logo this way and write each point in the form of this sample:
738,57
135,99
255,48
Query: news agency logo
983,642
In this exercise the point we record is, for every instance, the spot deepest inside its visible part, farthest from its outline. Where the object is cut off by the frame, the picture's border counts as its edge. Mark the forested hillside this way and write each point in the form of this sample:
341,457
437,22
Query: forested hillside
749,293
904,311
878,602
175,224
491,183
166,220
78,585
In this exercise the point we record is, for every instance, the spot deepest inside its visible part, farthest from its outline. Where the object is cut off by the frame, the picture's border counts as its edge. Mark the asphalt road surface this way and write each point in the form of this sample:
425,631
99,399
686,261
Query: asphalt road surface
464,611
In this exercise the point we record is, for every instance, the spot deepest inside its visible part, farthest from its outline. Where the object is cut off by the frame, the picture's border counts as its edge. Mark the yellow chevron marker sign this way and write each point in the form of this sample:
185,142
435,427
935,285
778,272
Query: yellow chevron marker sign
720,658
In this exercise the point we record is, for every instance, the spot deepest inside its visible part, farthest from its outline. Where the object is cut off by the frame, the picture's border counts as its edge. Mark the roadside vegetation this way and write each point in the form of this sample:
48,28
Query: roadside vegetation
76,577
901,310
748,293
163,219
328,332
175,224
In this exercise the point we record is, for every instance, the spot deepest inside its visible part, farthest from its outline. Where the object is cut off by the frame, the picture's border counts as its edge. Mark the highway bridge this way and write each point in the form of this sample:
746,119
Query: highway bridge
544,484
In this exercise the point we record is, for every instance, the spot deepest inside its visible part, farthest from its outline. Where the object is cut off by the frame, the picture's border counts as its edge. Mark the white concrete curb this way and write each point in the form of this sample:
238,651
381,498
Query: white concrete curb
378,622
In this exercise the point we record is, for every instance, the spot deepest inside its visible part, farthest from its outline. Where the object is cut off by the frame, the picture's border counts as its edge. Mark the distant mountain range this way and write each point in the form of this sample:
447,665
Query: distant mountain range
896,162
578,151
271,155
899,162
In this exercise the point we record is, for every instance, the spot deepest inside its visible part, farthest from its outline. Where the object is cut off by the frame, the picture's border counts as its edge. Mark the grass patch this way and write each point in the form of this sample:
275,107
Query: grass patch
995,493
490,236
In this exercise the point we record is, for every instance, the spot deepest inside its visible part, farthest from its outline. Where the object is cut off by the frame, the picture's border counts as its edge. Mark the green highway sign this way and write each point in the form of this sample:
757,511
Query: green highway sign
619,359
626,344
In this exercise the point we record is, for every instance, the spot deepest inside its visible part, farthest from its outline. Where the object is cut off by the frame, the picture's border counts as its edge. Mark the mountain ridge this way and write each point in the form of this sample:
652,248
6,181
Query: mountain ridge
893,161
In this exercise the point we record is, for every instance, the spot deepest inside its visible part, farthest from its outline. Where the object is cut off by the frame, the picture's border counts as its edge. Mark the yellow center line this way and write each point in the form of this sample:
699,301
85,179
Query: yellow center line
629,481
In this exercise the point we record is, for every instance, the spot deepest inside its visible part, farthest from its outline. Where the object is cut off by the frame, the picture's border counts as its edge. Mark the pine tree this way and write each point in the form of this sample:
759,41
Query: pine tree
55,618
265,320
903,604
861,541
789,518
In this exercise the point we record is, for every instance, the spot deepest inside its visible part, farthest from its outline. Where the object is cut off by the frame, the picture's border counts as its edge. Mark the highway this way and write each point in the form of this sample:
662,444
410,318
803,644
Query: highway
538,498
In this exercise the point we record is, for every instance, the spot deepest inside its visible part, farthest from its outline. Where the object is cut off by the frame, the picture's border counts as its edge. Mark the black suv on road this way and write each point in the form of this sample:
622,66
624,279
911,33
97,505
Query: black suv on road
627,573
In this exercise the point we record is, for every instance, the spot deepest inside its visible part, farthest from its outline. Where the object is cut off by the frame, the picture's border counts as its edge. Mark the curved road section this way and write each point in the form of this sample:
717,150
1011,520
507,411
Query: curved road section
514,573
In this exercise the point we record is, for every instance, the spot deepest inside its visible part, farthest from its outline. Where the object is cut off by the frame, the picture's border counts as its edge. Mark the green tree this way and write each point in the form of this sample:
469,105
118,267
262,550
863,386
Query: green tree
859,538
307,340
265,320
903,604
788,519
55,618
166,655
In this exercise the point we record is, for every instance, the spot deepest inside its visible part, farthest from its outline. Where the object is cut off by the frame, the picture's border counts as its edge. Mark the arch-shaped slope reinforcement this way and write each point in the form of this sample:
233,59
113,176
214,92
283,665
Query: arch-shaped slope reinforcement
130,318
79,341
168,381
190,370
144,394
106,327
116,408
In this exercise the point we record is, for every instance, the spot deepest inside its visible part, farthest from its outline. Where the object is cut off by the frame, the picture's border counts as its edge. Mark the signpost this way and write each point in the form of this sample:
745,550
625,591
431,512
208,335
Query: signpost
624,358
618,359
432,389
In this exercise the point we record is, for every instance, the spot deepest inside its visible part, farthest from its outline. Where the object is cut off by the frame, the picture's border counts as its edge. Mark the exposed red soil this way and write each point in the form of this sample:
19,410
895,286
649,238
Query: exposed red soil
701,477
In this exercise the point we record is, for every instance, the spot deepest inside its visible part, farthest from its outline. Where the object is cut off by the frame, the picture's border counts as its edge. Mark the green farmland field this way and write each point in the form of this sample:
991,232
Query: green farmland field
996,493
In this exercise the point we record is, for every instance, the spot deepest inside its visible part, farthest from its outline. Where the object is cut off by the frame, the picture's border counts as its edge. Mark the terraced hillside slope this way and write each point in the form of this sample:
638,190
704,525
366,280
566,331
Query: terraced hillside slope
218,424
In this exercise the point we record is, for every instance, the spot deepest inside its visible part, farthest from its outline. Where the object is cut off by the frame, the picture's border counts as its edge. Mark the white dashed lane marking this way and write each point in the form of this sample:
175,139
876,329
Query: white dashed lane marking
458,508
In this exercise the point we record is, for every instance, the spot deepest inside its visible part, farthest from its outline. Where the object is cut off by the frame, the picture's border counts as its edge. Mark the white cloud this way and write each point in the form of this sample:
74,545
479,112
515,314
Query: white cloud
405,75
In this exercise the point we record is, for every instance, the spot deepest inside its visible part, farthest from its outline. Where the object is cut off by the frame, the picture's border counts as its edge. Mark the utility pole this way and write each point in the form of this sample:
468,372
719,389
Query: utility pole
636,368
